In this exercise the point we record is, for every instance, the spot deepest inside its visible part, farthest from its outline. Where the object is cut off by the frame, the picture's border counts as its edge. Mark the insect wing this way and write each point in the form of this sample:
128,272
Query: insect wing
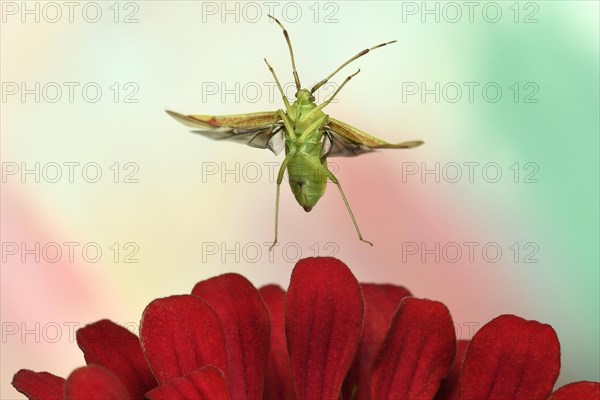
261,138
344,140
338,146
260,130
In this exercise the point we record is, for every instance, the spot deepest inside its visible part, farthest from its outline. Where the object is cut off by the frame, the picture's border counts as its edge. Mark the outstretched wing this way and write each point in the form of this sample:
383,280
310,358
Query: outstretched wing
262,130
342,139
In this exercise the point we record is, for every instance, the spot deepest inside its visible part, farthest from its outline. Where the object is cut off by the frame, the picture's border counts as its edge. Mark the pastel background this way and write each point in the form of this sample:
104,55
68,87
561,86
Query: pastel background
185,225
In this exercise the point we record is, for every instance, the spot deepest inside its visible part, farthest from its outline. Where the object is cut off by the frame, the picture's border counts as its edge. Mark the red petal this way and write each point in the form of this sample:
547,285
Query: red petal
247,330
39,385
207,383
511,358
449,388
324,313
94,383
181,334
381,302
583,390
417,352
278,383
117,349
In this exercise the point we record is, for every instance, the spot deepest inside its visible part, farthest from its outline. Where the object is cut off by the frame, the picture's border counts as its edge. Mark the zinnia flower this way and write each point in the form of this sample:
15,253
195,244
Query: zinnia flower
328,338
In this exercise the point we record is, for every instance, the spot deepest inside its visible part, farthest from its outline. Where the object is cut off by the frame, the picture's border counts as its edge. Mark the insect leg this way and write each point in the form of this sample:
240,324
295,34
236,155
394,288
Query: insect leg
279,180
288,123
314,126
285,100
277,118
333,179
326,102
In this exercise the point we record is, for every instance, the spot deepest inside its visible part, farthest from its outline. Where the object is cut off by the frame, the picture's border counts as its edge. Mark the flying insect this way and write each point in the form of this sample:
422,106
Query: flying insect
307,134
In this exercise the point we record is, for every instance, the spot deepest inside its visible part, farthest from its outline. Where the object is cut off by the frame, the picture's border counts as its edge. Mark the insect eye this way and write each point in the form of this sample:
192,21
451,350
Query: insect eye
312,98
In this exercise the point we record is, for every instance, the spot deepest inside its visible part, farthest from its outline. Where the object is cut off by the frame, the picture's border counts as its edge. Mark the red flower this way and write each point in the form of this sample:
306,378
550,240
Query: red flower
328,338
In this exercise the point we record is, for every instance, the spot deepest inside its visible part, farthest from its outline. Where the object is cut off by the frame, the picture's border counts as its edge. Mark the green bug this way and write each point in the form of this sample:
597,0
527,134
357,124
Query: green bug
308,135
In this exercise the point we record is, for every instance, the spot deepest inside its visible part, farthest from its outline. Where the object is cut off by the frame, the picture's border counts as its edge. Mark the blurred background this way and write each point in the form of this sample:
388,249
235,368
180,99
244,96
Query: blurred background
108,203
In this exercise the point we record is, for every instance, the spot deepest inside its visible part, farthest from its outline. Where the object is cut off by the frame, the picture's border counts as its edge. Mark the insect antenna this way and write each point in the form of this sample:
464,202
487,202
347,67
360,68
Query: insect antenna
289,43
358,55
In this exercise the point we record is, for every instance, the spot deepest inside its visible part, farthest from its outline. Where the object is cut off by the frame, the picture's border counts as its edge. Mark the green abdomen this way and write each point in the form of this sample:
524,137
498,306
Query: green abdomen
308,179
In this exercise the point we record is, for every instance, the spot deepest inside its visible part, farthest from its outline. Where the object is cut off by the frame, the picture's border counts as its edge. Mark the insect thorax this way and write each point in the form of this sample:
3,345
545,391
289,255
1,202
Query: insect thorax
307,121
